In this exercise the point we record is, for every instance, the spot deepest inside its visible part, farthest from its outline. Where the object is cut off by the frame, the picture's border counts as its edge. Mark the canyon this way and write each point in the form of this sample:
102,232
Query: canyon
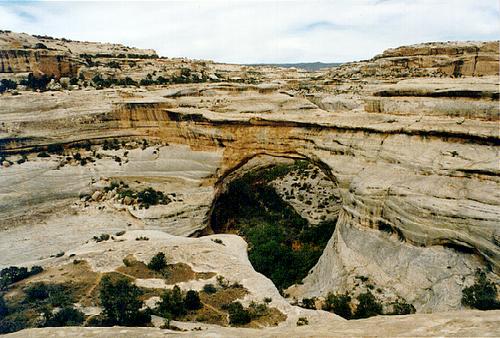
397,155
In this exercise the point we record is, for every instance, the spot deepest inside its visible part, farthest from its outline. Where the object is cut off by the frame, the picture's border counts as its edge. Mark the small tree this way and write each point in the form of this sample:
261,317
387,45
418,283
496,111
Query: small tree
120,302
192,300
158,262
238,315
338,304
4,310
172,303
368,306
209,288
67,316
482,295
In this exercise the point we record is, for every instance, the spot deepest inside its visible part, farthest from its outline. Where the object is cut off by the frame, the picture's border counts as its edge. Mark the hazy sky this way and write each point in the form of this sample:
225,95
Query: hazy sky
260,31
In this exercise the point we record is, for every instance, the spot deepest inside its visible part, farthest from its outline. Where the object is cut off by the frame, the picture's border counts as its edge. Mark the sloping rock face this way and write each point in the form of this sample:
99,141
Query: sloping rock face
23,53
412,164
434,59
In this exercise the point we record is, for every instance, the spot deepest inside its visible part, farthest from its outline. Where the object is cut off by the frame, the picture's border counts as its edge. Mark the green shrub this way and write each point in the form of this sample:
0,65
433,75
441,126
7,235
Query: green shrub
4,310
13,323
36,83
192,300
121,304
368,306
482,295
209,288
158,262
55,148
43,154
6,84
172,303
302,321
53,294
402,308
14,274
257,310
338,304
67,316
309,303
237,314
149,196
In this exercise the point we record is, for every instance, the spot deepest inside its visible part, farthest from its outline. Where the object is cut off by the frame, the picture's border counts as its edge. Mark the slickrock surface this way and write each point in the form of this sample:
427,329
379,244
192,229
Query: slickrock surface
406,143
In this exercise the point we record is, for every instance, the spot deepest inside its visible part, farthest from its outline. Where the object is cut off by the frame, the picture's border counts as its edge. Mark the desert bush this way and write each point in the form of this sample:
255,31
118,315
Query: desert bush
53,294
302,321
308,303
6,84
158,262
257,310
338,304
172,303
237,314
4,310
402,308
67,316
368,306
192,300
209,288
14,274
13,323
36,83
121,304
482,294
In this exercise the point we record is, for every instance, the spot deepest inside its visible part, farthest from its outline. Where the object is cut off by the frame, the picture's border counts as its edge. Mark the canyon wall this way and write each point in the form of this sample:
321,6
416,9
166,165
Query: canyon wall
414,161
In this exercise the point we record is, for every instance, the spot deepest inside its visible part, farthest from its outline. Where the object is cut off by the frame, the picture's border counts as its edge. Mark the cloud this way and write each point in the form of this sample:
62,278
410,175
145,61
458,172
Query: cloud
260,31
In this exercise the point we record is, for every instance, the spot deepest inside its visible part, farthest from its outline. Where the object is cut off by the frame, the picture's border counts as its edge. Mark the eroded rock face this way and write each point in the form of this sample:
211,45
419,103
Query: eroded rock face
432,59
412,166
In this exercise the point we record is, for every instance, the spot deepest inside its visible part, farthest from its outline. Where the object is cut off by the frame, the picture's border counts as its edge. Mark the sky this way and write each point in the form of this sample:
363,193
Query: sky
259,31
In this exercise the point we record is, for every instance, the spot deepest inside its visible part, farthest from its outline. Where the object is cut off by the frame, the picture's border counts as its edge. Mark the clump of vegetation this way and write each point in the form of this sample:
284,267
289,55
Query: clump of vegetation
4,310
35,305
282,245
401,308
142,238
145,198
121,304
218,241
302,321
209,288
172,304
99,82
482,294
67,316
192,300
36,83
6,84
54,294
238,315
368,306
14,274
112,144
158,262
308,303
101,238
338,304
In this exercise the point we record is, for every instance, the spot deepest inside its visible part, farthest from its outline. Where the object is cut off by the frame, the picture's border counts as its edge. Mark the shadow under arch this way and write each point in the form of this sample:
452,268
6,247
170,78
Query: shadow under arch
242,167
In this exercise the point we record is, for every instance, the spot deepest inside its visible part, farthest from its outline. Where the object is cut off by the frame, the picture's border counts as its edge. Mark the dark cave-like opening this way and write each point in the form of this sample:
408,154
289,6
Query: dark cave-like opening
282,244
